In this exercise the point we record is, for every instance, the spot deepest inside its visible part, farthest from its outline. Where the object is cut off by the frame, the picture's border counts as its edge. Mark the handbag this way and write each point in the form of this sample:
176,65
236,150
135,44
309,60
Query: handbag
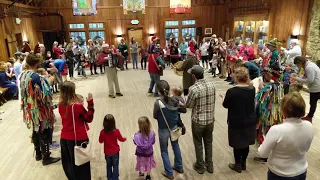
82,153
160,68
174,134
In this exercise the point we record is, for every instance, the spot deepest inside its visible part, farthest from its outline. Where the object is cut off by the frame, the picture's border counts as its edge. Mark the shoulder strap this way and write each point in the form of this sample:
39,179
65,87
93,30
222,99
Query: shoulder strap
164,117
74,125
155,61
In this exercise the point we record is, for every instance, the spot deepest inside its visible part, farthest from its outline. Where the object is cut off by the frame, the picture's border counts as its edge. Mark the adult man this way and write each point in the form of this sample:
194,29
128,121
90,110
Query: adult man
312,79
201,100
155,66
254,70
123,48
111,70
37,109
293,52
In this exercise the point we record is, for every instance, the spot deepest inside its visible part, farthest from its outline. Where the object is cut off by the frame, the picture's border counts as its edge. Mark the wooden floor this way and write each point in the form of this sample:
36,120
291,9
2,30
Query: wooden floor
16,151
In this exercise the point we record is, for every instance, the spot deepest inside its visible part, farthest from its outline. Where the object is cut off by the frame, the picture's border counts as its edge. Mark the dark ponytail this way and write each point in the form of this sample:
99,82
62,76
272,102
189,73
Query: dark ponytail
164,90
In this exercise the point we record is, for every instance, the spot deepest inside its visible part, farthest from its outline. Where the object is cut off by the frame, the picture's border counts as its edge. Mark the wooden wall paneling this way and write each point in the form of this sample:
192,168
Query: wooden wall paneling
3,47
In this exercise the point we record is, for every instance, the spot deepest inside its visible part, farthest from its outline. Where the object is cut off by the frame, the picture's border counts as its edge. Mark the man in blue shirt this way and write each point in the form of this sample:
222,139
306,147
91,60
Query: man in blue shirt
254,70
17,67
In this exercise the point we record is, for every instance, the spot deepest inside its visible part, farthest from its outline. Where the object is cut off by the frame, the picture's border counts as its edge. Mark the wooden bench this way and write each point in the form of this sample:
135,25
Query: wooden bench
2,92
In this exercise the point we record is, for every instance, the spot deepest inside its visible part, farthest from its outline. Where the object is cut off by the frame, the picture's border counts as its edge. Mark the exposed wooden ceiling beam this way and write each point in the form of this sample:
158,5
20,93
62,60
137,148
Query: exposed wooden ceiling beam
28,2
18,4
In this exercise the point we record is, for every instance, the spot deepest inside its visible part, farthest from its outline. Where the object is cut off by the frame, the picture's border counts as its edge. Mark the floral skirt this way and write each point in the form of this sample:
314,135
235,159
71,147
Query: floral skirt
145,164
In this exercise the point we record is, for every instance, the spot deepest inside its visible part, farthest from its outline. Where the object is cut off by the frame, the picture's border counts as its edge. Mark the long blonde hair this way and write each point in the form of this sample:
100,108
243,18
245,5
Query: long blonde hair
68,93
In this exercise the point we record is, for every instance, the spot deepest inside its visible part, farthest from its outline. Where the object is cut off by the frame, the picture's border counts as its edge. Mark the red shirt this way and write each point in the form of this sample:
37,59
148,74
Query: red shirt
58,52
110,141
152,64
81,118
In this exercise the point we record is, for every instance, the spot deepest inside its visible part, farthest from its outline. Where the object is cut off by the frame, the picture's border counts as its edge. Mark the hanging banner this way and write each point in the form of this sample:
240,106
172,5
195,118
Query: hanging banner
180,6
134,7
84,7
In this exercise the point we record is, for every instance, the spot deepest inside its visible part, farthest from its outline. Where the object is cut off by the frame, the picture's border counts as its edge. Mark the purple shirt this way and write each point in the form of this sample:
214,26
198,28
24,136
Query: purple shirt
144,144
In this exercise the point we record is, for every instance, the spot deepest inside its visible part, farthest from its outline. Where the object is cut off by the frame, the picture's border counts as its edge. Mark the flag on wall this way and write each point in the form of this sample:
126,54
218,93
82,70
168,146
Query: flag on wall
134,7
84,7
180,6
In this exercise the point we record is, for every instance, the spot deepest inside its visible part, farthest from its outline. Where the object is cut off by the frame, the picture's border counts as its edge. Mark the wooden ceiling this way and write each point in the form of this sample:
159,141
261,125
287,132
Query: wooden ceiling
35,3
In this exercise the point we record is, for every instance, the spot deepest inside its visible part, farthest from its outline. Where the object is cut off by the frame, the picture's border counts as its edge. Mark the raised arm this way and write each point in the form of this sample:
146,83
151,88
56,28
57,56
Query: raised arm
87,115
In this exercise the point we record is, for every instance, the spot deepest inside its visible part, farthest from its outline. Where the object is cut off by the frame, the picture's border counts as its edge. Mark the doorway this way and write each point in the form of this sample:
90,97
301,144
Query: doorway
138,35
19,41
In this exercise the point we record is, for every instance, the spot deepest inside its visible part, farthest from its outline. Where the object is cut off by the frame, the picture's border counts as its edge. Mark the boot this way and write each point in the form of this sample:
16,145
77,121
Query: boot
46,155
38,154
236,167
244,165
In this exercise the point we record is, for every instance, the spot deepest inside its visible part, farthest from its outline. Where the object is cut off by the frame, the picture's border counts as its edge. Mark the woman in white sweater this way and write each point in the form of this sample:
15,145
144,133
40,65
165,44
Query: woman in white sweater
286,144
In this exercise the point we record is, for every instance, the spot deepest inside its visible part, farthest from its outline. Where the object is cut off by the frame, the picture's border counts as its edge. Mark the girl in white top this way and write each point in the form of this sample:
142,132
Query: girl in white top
286,144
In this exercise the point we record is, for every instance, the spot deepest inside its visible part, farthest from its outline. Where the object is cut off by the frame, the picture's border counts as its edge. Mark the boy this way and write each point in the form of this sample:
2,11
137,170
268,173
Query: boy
177,94
82,66
286,78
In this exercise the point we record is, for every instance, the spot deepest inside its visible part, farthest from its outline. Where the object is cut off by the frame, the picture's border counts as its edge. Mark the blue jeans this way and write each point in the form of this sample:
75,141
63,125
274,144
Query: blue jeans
164,136
112,166
155,78
134,57
272,176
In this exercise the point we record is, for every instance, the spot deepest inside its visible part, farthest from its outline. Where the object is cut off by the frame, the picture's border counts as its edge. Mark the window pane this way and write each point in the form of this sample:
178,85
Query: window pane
172,33
188,22
171,23
95,25
80,35
76,26
188,33
96,35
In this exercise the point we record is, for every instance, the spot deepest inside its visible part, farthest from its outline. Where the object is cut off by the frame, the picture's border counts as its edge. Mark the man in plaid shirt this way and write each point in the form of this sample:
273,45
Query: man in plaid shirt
201,100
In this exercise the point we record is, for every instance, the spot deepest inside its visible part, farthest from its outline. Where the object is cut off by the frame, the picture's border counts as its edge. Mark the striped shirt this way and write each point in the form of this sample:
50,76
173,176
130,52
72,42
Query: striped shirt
201,100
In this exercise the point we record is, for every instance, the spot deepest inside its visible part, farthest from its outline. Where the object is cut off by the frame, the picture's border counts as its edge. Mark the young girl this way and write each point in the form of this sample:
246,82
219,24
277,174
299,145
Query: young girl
144,56
144,139
110,136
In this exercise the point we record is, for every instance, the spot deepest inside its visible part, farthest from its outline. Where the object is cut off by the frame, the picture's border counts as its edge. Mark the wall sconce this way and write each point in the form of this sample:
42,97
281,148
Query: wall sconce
151,34
119,36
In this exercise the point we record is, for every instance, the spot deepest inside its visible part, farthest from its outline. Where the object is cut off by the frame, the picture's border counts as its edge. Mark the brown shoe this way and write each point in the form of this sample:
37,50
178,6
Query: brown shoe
179,171
236,167
166,175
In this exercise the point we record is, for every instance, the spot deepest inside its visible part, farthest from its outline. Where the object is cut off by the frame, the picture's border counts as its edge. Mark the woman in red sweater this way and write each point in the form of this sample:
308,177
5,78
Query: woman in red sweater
70,105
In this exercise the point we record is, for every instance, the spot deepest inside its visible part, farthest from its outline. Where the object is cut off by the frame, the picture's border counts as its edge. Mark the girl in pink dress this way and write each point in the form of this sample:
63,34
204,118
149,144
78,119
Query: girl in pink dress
144,139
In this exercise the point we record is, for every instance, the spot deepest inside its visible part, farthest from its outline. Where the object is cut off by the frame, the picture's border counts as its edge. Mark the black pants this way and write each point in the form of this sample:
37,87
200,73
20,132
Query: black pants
102,67
174,60
185,92
286,88
314,97
72,171
204,60
94,66
144,60
45,137
71,69
240,155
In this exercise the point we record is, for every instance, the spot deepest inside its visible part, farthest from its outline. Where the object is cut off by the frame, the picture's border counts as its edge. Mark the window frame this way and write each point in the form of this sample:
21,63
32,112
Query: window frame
180,26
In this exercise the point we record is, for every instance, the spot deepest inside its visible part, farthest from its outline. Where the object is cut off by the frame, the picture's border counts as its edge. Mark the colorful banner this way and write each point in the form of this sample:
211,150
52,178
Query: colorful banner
84,7
134,7
180,6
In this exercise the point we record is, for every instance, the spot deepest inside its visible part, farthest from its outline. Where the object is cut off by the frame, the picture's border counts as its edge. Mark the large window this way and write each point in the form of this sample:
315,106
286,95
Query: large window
76,26
95,25
81,36
180,29
96,35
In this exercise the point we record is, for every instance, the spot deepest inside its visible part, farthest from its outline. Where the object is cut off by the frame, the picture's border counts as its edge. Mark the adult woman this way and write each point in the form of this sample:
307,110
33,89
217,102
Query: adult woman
174,52
286,144
6,83
92,53
170,109
74,115
123,48
70,60
183,48
204,52
241,118
57,52
134,53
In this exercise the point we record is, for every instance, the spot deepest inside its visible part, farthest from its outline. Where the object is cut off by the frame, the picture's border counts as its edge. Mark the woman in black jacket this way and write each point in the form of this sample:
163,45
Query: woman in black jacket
70,60
240,102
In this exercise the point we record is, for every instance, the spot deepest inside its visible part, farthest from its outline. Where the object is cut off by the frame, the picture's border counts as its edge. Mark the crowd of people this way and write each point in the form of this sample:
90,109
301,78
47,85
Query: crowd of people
268,117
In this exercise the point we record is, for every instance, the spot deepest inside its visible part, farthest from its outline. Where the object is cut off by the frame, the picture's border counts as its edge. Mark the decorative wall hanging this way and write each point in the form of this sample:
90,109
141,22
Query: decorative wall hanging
84,7
134,7
180,6
208,31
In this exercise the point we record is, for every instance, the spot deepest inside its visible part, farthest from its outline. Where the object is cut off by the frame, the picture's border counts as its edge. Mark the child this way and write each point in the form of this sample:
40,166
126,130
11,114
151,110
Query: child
110,136
214,61
286,78
144,139
296,87
82,66
144,57
177,94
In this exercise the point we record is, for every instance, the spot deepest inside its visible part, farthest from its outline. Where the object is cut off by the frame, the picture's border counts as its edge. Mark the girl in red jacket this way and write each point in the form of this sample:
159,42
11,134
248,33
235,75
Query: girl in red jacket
75,119
110,136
